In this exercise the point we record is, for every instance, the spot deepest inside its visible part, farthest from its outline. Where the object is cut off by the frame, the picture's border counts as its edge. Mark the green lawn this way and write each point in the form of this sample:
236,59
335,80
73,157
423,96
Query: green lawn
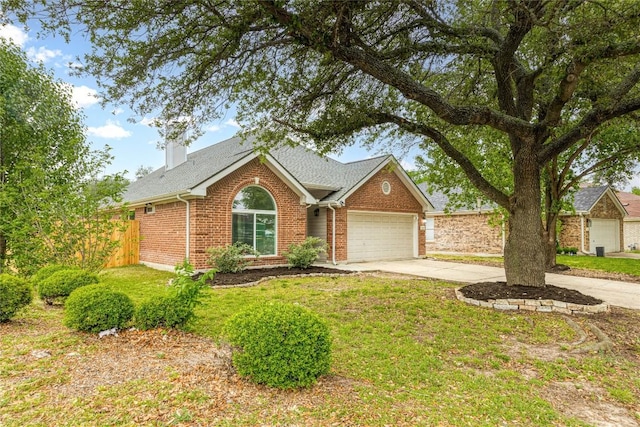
405,352
607,264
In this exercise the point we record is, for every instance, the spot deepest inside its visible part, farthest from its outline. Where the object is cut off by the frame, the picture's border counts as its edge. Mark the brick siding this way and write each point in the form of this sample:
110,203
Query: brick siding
471,233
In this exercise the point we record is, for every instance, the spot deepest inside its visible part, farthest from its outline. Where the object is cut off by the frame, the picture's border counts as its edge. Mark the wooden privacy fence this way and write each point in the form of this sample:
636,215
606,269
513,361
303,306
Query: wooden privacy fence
128,252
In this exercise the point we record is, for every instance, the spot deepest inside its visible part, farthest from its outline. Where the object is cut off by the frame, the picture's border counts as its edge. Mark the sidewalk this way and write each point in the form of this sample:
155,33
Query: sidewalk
621,294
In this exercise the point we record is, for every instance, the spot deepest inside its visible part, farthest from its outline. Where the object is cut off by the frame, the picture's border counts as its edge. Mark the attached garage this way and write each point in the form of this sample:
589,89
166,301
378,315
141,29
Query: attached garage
377,236
605,232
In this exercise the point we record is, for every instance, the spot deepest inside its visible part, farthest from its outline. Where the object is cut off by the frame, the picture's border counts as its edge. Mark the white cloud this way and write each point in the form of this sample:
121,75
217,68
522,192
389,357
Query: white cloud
42,54
406,165
213,128
232,122
10,32
148,121
112,130
84,96
117,111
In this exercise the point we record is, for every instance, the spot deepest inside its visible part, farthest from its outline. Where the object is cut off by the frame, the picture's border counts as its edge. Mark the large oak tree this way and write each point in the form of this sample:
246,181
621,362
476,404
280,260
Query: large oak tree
544,74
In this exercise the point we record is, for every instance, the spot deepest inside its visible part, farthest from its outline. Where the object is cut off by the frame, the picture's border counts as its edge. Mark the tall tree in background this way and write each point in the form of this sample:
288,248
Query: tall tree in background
51,194
545,75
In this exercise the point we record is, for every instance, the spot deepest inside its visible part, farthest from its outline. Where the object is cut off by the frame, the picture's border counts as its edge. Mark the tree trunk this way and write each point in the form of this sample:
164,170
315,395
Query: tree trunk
550,239
524,252
3,252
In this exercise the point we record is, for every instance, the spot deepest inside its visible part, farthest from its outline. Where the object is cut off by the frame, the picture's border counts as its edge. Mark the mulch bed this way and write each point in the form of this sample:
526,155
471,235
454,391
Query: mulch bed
485,291
251,275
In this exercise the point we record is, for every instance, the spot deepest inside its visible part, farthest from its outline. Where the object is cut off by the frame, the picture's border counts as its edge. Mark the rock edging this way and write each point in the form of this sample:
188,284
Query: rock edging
543,305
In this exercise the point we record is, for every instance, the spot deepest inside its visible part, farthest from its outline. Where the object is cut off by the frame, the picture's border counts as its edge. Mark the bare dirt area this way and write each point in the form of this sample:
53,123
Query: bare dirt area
484,291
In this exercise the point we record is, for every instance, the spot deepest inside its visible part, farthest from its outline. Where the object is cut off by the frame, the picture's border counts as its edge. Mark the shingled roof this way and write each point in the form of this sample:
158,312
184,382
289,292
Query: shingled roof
305,167
631,203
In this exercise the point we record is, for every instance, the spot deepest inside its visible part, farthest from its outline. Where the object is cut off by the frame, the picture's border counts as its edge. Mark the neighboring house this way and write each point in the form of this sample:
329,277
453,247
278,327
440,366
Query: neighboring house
596,221
461,230
631,203
225,193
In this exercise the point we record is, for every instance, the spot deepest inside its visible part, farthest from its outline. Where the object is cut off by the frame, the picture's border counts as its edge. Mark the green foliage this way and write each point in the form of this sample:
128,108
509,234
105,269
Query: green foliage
280,345
52,191
232,258
636,191
162,311
96,308
59,285
178,308
570,250
15,293
47,271
304,254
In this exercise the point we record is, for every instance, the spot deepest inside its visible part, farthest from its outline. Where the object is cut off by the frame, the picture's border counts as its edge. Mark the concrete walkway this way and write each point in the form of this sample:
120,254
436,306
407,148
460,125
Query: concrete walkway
621,294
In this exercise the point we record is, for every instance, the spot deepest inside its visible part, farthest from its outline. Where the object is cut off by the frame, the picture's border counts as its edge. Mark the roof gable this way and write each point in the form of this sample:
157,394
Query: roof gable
586,198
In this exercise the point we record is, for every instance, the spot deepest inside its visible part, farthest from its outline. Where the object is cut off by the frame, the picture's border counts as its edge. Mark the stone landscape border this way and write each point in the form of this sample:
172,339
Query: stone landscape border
542,305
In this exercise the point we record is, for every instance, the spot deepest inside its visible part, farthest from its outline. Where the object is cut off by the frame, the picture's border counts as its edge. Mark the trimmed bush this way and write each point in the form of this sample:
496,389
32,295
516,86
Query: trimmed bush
280,345
96,308
231,258
58,286
15,293
306,253
47,271
163,311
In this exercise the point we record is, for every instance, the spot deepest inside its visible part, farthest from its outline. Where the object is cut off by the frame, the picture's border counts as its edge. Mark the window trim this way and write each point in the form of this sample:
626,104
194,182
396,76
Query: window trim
427,229
254,213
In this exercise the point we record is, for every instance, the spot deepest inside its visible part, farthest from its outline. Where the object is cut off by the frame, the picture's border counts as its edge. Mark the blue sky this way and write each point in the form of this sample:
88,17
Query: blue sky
134,144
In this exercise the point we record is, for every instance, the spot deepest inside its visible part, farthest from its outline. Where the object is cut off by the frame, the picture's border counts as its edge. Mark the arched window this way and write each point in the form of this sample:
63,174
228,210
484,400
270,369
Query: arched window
254,219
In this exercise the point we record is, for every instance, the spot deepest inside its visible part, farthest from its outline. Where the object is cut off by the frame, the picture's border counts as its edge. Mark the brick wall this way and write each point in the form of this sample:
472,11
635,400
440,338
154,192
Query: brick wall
162,234
631,232
470,233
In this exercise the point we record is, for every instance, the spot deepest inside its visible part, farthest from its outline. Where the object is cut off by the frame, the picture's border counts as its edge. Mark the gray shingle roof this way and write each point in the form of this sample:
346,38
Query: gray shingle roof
585,198
306,166
440,200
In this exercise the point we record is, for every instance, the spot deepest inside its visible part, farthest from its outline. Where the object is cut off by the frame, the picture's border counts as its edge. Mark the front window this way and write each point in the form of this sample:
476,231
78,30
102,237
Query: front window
254,220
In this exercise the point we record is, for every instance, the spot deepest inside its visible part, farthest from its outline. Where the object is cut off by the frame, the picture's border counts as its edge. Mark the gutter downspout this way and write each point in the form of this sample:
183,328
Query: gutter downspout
333,234
504,233
582,233
188,226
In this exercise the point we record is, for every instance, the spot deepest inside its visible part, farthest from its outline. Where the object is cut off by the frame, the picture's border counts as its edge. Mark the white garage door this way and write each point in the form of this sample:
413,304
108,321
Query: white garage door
375,236
605,232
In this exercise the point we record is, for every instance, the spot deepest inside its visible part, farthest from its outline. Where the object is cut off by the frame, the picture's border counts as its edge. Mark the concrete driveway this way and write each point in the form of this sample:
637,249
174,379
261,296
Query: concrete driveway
621,294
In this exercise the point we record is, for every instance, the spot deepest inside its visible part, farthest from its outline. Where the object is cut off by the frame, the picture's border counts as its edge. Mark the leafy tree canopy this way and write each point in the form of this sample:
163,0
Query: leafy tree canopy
542,76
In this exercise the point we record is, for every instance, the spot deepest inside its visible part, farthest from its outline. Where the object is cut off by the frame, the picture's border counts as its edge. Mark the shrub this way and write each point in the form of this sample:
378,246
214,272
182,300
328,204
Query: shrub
280,345
305,254
15,293
231,258
47,271
177,309
167,311
60,284
96,308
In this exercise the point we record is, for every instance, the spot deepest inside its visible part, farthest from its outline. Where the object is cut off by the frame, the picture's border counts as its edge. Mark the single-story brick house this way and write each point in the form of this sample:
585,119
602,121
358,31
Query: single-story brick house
224,193
631,203
597,220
